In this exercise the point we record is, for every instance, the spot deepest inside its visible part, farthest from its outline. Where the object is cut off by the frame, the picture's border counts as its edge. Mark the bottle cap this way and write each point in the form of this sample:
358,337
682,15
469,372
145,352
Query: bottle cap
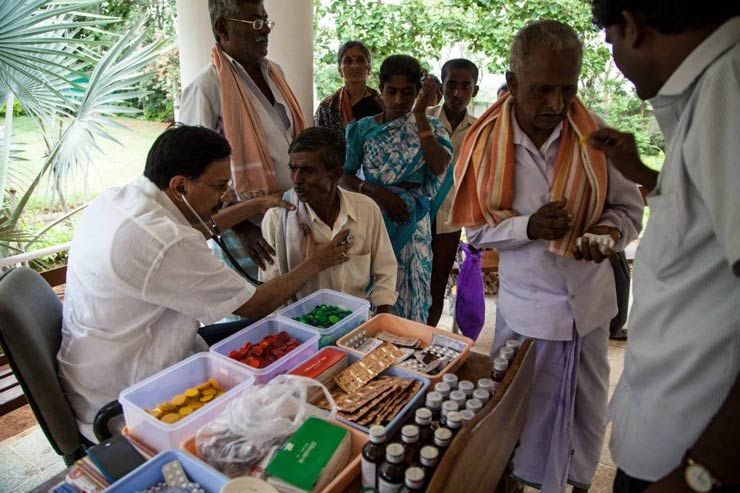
423,416
448,407
459,397
429,454
415,477
474,405
481,395
410,433
500,364
454,420
450,379
394,453
466,386
377,433
485,384
442,437
513,344
434,400
506,352
467,415
443,388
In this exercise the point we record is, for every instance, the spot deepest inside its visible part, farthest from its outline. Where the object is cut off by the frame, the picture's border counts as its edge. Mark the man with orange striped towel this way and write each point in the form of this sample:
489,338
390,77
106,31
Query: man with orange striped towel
245,97
529,186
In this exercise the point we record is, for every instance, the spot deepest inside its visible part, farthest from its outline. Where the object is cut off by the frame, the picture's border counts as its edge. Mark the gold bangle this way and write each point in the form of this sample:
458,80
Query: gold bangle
426,133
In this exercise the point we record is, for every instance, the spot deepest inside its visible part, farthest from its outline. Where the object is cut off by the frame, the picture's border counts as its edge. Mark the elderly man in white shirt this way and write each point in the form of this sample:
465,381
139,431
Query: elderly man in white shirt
562,298
676,408
141,279
323,210
242,30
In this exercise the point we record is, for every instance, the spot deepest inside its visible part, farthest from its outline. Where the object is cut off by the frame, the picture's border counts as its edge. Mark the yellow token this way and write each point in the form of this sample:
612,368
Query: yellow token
166,407
195,405
206,398
179,400
214,383
185,410
170,418
208,391
192,393
156,412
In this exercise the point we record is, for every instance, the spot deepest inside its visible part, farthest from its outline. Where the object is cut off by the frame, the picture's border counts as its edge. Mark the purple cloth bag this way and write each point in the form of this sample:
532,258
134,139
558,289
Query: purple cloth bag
470,307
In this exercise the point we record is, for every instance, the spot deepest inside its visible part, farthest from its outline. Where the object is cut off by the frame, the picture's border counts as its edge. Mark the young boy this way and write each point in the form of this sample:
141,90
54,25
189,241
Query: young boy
459,86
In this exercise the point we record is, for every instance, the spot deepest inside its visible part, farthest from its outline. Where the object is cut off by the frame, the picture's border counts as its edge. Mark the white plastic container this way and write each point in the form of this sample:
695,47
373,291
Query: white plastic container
309,339
163,386
360,311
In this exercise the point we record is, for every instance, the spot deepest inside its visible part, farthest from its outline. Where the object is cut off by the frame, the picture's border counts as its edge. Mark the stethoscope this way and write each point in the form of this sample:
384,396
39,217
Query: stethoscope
220,242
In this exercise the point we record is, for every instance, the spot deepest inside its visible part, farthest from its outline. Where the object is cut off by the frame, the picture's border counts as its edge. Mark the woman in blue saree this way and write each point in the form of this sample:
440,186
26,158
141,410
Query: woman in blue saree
404,156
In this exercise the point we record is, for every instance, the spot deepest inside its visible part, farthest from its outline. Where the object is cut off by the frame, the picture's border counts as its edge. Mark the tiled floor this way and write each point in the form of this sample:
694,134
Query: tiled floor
27,460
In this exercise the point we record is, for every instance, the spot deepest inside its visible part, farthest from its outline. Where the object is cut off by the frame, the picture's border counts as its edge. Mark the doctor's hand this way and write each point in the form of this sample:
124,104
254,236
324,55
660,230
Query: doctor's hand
620,149
272,200
327,254
550,222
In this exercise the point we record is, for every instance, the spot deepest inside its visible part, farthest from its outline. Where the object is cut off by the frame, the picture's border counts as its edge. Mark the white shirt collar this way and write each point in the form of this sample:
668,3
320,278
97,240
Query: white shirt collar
346,210
522,139
439,113
149,188
703,55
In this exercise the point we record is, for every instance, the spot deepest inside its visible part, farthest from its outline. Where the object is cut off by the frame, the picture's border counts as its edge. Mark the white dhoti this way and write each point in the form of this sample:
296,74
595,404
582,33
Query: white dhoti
566,419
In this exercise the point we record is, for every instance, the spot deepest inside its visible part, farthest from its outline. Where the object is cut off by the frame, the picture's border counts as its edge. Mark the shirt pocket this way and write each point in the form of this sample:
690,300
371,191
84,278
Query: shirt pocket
663,236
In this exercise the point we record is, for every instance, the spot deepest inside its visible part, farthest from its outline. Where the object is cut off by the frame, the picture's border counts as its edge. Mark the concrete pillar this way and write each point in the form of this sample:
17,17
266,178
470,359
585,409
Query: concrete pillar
291,43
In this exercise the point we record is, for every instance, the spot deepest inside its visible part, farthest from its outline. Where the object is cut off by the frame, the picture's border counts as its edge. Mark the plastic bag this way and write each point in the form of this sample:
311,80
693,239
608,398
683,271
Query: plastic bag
258,420
470,306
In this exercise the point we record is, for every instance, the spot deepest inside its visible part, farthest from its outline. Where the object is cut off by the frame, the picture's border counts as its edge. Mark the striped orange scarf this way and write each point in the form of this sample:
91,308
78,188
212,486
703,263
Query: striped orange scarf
484,173
252,168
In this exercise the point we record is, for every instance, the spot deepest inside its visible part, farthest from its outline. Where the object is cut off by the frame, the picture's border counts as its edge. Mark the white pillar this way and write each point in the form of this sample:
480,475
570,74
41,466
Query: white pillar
291,43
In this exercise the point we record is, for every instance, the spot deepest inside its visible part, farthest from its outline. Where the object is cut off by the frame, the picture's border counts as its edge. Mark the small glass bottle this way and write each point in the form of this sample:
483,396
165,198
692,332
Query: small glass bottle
474,405
373,454
442,439
423,419
451,380
482,395
390,477
414,480
507,353
443,389
500,365
467,387
411,445
458,397
485,384
429,460
434,404
467,415
513,344
447,407
454,422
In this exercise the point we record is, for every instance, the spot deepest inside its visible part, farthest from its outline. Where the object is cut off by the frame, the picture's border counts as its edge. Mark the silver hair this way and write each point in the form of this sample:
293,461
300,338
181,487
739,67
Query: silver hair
549,34
218,9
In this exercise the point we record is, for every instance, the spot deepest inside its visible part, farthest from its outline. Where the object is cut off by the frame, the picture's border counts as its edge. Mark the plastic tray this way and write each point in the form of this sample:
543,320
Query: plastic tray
348,474
405,413
407,328
360,311
150,473
162,386
269,326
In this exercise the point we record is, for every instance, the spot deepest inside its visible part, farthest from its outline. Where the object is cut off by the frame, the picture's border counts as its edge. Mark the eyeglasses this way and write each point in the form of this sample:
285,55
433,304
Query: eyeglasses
223,190
257,24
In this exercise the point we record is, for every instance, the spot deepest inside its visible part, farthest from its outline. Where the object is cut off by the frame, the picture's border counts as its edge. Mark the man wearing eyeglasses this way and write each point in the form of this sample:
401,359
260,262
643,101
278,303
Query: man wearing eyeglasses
245,97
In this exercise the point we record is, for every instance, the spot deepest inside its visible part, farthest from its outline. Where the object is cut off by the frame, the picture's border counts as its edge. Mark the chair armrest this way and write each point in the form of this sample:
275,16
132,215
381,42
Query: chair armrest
106,413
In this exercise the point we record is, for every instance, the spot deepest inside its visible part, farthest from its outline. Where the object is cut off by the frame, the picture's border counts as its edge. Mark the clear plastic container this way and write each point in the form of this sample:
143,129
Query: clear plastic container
408,328
360,312
150,473
407,411
231,376
265,327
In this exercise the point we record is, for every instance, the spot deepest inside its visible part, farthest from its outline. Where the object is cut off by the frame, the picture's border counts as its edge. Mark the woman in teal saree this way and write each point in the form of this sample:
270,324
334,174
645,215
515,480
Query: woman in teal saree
404,156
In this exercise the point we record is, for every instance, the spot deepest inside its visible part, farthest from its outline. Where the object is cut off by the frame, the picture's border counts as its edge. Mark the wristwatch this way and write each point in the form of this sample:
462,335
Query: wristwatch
698,477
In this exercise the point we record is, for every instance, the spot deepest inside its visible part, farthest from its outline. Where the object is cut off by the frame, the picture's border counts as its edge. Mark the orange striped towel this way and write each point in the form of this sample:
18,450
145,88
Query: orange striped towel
484,173
252,169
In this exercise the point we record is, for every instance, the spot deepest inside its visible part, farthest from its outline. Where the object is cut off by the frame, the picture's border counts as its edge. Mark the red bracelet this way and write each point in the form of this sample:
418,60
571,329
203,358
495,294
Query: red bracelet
426,133
362,184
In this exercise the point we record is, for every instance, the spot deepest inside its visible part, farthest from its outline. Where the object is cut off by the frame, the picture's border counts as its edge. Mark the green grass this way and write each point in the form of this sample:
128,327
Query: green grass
116,165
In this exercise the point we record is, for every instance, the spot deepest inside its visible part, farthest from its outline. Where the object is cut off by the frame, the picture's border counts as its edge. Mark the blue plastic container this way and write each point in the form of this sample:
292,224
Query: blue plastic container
150,473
